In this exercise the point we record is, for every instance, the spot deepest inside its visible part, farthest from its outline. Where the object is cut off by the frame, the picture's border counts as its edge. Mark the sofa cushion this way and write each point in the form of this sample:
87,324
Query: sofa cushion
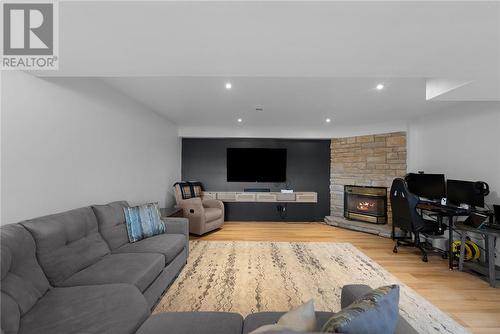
193,323
136,269
111,220
212,214
67,242
170,245
110,308
353,292
256,320
376,313
22,279
301,319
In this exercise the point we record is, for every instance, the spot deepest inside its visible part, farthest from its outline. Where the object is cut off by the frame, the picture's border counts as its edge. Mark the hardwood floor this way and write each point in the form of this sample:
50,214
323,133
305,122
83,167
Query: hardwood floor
466,298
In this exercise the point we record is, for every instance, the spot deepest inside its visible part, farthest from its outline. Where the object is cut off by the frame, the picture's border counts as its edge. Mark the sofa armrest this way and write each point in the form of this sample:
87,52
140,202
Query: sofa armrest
177,225
353,292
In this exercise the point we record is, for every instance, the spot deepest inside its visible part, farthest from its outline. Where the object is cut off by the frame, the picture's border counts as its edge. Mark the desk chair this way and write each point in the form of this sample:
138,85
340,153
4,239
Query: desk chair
406,218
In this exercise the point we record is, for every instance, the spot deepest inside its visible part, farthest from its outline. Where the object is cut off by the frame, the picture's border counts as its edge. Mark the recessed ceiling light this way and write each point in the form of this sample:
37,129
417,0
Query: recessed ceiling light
239,120
228,85
328,120
380,86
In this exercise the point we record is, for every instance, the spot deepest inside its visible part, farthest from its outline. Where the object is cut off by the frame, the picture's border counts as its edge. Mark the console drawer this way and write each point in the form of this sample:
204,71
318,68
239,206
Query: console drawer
226,196
209,195
284,197
245,197
266,197
307,198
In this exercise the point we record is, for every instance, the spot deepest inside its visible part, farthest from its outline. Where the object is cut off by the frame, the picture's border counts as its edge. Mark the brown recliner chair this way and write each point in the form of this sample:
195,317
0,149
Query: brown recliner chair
204,215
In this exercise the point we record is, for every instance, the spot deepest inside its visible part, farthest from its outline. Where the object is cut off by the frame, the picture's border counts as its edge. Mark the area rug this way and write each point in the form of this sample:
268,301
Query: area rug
248,277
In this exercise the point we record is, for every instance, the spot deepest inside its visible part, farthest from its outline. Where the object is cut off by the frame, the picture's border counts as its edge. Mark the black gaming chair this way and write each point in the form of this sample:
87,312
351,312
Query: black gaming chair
406,218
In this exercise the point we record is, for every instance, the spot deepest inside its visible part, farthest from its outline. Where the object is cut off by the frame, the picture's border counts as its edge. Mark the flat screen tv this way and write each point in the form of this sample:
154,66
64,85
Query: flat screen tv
256,164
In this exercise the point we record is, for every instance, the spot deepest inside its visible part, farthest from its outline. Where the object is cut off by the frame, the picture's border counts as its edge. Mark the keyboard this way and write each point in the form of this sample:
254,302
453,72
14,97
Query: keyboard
492,226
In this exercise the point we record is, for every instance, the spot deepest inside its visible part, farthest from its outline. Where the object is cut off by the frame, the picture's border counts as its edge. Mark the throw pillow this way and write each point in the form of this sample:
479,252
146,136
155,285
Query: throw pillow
190,189
300,319
143,221
375,313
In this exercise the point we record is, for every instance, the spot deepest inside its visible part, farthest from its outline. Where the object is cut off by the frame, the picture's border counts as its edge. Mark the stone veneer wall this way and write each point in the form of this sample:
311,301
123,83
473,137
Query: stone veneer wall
373,160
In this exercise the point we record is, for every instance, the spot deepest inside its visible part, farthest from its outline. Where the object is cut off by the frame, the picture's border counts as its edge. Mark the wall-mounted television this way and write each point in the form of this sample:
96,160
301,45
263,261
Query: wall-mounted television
256,164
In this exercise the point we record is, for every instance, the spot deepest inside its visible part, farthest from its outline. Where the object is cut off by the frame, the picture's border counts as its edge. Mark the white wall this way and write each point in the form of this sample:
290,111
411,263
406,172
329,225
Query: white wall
71,142
463,144
324,131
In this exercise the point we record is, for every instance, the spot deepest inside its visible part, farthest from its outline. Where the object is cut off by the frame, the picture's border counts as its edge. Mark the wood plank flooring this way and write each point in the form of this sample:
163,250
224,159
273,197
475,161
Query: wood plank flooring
466,298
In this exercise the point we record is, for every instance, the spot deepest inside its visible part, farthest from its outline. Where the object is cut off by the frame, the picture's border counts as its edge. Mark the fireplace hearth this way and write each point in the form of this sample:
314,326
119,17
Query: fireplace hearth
366,204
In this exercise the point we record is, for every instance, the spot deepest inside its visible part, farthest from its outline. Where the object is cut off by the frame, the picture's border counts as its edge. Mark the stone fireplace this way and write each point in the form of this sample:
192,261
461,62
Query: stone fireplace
366,161
366,204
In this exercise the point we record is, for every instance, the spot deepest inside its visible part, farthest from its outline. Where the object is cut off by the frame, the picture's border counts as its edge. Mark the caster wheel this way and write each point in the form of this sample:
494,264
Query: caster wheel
424,258
395,250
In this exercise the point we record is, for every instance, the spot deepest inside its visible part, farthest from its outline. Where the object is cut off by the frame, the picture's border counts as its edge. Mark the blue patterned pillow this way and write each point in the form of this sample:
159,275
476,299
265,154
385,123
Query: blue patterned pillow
375,313
143,221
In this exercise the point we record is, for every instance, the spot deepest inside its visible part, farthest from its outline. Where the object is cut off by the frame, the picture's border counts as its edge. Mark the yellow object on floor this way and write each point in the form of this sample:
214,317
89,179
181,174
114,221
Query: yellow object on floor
472,251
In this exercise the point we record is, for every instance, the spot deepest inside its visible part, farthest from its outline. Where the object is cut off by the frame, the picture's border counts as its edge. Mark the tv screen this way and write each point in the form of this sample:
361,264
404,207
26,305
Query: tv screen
256,165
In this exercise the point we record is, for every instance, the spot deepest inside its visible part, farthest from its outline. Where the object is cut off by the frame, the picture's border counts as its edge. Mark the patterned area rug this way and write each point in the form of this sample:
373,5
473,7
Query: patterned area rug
248,277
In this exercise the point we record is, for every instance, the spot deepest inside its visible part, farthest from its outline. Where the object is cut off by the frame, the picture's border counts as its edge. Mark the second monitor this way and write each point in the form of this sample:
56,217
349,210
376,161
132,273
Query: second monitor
463,192
431,186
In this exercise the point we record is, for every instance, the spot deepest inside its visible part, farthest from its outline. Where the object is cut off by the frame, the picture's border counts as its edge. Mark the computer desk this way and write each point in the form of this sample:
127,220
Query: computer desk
450,213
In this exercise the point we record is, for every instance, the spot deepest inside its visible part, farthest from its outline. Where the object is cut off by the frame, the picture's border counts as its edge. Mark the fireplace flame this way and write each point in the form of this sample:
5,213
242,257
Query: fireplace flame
365,206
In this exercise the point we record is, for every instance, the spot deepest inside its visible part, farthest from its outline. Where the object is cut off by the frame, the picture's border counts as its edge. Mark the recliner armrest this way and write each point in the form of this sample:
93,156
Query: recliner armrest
213,203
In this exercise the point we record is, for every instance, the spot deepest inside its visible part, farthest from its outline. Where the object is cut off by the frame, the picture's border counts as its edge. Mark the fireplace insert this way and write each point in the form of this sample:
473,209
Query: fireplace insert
366,204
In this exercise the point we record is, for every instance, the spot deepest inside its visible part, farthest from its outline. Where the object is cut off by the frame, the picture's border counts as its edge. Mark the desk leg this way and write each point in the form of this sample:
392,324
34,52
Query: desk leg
440,224
462,251
450,242
490,253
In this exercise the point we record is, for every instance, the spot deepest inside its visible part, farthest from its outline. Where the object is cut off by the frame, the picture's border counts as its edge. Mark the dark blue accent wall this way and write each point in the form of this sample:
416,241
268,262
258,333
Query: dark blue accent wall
308,169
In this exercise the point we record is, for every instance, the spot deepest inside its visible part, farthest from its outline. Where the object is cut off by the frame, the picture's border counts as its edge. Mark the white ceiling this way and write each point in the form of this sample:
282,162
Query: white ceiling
303,61
290,102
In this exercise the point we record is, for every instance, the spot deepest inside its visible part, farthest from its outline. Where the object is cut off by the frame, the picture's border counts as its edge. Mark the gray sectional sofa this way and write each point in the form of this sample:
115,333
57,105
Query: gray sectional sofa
75,272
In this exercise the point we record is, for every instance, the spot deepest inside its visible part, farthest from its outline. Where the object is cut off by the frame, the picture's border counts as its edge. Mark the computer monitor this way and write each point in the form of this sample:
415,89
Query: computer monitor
463,192
431,186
